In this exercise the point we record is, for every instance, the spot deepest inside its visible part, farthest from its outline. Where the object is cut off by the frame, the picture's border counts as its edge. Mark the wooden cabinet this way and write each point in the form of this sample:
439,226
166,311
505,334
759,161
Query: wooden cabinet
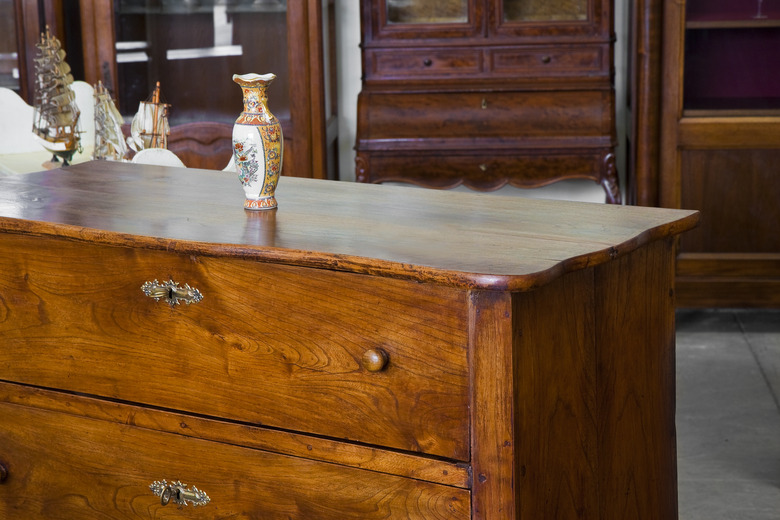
346,356
487,92
193,48
9,47
706,135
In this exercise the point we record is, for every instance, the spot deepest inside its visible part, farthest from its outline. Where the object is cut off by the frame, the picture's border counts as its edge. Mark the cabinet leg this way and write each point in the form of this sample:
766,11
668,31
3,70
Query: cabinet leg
361,168
609,179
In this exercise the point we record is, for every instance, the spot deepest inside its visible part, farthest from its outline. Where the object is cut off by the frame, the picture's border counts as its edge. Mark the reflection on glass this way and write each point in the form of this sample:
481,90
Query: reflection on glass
427,11
9,59
759,14
193,48
545,10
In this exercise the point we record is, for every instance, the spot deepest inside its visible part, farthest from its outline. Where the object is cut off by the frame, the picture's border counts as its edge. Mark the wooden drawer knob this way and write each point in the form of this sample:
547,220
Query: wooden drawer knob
3,473
375,360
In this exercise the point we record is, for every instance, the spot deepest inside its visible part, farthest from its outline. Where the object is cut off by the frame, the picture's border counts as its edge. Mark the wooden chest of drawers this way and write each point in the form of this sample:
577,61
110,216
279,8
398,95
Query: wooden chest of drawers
362,352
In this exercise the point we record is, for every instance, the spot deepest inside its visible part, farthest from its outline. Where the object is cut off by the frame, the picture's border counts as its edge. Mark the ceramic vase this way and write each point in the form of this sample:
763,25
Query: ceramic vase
257,143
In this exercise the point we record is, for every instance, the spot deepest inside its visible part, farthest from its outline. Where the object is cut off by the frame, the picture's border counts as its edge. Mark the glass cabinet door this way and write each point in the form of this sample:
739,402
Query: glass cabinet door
9,57
557,19
544,10
731,57
193,48
416,19
425,11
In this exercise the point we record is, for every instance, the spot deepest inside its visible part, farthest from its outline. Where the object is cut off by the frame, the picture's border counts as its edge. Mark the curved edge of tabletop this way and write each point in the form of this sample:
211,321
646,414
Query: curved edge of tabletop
360,265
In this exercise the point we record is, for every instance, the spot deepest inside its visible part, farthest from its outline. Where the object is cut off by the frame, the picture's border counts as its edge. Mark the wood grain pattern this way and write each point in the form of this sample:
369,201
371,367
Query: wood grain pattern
636,385
530,349
494,477
490,242
284,442
66,467
556,400
271,345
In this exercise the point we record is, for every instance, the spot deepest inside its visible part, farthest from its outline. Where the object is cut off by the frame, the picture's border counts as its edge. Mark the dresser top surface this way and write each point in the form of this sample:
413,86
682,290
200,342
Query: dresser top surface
455,238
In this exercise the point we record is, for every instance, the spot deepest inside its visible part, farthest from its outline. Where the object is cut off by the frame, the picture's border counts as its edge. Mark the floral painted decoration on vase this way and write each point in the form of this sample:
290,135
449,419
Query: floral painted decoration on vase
257,143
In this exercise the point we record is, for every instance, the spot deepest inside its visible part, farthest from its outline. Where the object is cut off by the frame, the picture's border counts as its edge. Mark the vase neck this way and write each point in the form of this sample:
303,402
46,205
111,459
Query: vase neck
255,99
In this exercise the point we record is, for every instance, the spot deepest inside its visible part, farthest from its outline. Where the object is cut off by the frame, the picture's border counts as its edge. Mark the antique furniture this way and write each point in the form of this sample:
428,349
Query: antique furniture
193,48
362,352
487,92
9,47
706,135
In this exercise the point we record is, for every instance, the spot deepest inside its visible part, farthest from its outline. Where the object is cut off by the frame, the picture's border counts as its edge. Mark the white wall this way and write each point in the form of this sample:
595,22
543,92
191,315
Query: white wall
348,28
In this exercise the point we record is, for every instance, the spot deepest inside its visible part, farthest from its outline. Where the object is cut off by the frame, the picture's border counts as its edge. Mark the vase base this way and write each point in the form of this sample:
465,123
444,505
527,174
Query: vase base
260,204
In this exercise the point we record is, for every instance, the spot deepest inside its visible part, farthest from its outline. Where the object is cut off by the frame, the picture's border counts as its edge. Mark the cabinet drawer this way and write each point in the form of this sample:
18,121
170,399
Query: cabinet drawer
417,116
59,466
482,171
422,63
549,61
280,346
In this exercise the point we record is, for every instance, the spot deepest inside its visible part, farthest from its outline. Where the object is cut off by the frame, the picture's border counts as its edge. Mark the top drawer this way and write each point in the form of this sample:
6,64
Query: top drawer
422,63
274,345
549,61
515,63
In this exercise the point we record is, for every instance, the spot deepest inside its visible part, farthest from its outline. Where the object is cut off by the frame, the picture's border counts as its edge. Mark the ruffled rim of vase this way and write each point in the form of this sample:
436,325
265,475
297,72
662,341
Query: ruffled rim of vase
252,79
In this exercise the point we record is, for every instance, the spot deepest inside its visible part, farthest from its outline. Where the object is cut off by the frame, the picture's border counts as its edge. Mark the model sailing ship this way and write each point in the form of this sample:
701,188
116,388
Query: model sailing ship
149,128
55,113
109,139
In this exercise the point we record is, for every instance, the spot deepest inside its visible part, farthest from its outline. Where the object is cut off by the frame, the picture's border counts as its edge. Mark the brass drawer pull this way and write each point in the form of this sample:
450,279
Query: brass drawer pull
178,493
171,292
375,360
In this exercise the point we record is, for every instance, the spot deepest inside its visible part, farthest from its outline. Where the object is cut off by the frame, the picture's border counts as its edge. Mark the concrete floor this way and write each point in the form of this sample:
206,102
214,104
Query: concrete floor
728,414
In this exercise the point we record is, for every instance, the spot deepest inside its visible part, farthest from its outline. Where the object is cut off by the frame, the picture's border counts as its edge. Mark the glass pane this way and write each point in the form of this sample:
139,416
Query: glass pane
732,68
732,10
427,11
545,10
9,59
193,48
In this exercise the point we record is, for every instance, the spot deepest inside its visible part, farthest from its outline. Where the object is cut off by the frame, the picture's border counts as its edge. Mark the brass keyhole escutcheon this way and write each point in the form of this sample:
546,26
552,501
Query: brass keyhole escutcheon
484,103
171,292
178,493
375,360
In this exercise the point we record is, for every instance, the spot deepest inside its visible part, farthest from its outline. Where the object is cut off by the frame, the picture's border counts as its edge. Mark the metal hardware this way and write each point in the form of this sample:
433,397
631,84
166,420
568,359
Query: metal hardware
484,103
375,360
427,62
483,167
546,59
171,293
178,493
